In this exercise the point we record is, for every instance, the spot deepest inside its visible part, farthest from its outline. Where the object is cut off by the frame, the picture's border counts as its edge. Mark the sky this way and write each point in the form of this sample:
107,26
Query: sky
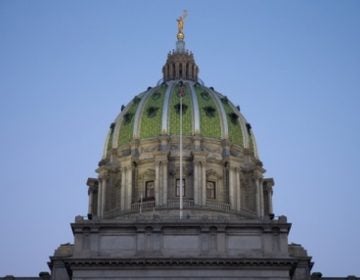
66,67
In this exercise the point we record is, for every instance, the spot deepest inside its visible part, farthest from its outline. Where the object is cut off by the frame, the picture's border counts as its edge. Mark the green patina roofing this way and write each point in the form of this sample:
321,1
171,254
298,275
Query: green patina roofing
152,114
127,123
174,115
209,115
235,132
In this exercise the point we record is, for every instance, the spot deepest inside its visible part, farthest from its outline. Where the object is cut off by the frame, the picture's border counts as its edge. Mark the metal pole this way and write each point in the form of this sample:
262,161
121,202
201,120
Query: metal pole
181,165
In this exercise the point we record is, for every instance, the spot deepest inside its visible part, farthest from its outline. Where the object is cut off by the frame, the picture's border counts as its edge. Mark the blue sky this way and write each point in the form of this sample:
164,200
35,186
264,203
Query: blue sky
66,67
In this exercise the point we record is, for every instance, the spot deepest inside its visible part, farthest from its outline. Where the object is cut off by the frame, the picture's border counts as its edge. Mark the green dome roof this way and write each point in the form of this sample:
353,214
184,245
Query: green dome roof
155,112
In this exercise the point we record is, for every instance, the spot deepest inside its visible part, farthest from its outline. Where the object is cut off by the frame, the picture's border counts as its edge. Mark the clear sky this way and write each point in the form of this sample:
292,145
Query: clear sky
66,67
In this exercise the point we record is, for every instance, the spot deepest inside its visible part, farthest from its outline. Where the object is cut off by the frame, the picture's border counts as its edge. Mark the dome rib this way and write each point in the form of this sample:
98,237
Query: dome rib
242,122
165,112
196,112
139,113
188,116
224,124
114,132
210,120
150,120
105,149
256,152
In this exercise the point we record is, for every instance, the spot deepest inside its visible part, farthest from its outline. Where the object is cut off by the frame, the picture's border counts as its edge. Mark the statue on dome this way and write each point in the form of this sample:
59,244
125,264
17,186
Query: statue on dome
180,22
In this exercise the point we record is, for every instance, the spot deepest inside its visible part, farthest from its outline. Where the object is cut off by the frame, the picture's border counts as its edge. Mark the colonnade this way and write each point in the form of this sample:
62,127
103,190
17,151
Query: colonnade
263,187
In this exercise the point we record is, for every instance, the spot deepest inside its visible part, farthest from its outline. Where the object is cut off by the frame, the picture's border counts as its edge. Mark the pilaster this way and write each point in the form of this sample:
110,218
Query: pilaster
199,165
161,177
93,185
129,187
122,190
234,183
268,187
259,192
157,183
103,176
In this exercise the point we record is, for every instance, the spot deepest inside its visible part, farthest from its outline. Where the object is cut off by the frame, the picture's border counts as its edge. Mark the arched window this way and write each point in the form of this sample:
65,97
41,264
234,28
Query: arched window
149,190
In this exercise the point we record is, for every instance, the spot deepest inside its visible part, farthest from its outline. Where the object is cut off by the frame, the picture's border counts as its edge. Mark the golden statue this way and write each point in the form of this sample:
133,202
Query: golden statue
180,21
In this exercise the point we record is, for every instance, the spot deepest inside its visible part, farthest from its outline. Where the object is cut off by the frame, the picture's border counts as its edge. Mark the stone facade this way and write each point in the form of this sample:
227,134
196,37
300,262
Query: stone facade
217,176
156,245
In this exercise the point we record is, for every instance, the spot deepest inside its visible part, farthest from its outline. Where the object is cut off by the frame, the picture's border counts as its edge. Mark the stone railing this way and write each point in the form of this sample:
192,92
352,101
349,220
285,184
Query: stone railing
218,206
145,205
175,203
171,204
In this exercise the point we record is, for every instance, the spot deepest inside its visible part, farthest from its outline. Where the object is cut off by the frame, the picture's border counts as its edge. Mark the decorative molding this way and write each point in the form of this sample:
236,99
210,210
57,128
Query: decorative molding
209,262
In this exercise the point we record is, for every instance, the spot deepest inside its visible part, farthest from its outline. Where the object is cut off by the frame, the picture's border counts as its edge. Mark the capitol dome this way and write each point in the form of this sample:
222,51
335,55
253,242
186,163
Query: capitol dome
155,112
145,159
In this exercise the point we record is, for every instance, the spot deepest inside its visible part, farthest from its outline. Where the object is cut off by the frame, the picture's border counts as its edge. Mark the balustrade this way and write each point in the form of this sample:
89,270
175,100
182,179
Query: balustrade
171,204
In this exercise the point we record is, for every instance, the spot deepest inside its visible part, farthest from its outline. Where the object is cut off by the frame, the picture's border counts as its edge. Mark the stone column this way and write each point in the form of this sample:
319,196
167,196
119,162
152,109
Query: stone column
99,199
199,164
93,187
123,188
232,188
165,182
203,184
103,175
157,183
268,187
196,183
238,190
91,197
128,187
259,198
233,167
262,201
103,195
161,173
270,193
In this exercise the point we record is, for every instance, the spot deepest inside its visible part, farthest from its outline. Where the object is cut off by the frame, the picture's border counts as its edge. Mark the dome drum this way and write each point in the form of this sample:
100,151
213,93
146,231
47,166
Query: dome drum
145,174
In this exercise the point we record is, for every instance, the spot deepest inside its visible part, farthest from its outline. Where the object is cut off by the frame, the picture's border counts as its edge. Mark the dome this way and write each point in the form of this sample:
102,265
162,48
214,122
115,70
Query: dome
155,112
180,143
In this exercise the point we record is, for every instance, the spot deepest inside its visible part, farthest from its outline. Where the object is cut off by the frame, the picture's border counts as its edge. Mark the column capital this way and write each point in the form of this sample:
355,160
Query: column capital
103,172
161,156
268,182
92,182
258,173
199,156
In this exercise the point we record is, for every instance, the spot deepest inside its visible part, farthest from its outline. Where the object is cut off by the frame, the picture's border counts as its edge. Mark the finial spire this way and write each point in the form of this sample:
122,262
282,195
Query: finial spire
180,35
